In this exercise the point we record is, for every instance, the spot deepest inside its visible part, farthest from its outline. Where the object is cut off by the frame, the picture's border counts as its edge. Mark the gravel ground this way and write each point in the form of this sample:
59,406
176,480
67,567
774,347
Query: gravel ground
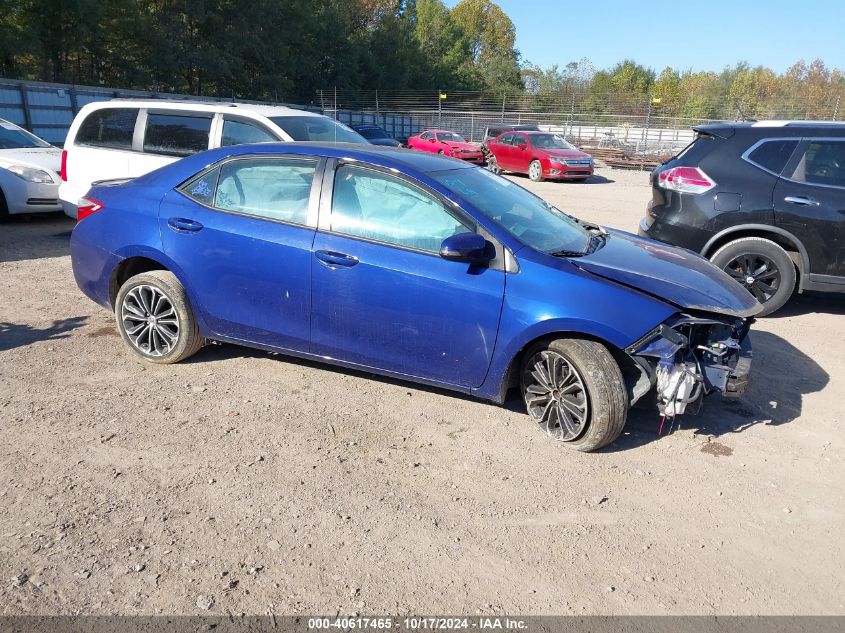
245,482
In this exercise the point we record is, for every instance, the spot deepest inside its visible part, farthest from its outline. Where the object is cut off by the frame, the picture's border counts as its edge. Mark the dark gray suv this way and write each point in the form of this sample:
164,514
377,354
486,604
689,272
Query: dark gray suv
765,201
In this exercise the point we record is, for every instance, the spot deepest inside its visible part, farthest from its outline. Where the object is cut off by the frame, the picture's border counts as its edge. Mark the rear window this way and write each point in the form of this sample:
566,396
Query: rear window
176,135
110,127
773,155
698,149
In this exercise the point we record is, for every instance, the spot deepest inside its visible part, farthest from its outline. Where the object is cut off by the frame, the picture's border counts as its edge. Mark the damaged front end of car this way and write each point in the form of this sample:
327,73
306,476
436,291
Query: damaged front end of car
688,357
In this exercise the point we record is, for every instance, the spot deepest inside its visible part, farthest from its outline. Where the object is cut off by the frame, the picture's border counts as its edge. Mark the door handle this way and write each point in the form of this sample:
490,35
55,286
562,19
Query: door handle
183,225
333,258
802,201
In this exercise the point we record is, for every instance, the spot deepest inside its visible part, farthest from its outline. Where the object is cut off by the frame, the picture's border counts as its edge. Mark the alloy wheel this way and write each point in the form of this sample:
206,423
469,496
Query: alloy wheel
149,320
555,395
757,273
534,170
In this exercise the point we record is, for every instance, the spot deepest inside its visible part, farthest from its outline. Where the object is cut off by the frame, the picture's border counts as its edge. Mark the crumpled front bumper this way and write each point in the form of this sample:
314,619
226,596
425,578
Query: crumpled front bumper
690,356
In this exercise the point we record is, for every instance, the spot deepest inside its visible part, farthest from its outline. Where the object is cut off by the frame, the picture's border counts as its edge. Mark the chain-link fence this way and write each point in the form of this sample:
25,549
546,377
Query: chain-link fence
635,123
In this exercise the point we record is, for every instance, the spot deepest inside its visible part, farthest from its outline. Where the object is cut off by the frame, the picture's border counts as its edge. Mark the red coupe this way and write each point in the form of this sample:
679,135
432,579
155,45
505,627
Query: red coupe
446,143
541,155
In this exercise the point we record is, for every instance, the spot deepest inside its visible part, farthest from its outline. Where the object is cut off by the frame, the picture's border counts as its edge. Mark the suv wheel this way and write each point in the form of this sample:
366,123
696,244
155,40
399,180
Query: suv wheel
762,267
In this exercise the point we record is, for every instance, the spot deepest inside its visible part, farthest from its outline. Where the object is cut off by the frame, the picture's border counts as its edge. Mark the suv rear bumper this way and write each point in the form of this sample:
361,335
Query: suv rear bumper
681,235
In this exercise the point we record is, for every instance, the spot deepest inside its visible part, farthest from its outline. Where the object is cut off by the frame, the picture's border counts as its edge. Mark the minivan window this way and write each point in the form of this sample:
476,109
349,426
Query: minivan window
773,155
110,127
176,134
317,128
240,133
823,163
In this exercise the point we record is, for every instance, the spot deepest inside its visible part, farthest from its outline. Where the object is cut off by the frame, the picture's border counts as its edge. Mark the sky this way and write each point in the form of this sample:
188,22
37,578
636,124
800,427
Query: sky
702,35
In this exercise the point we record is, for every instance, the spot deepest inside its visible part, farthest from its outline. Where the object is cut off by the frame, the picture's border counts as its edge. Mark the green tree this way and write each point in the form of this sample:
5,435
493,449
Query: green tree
490,38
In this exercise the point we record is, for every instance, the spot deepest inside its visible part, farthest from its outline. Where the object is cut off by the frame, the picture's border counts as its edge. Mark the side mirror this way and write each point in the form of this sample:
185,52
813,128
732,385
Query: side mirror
432,140
522,146
471,248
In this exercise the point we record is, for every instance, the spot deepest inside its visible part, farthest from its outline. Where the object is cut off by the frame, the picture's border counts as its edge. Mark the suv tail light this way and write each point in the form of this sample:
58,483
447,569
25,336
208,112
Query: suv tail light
685,180
64,166
86,207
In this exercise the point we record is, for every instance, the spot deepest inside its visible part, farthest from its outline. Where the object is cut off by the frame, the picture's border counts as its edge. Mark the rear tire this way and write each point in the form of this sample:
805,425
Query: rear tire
762,267
535,171
574,390
5,216
155,318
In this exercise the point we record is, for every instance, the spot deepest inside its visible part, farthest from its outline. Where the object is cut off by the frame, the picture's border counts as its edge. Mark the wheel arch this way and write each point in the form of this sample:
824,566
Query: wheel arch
510,378
129,267
791,244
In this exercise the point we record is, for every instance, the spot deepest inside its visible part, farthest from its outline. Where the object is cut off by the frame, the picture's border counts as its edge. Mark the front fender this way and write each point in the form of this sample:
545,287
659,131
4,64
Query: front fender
543,300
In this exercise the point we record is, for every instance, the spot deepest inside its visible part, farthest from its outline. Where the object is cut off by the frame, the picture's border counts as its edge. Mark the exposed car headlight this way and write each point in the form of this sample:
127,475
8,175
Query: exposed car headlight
556,161
31,174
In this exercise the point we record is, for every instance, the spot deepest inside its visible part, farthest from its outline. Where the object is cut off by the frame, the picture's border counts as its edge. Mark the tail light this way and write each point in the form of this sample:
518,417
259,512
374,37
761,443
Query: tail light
64,166
86,207
685,179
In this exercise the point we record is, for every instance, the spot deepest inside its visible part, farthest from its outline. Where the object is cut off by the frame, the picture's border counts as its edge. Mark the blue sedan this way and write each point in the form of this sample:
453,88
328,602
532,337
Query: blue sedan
415,266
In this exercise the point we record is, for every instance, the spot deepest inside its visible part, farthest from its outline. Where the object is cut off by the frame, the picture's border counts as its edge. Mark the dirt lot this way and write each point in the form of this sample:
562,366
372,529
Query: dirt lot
244,482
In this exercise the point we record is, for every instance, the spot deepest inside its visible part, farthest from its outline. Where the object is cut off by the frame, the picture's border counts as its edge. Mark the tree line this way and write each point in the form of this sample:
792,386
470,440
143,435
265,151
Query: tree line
288,50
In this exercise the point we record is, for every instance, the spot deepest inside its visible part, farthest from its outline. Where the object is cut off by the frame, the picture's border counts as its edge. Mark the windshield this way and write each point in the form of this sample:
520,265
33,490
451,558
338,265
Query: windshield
450,136
522,214
317,128
372,132
13,137
550,141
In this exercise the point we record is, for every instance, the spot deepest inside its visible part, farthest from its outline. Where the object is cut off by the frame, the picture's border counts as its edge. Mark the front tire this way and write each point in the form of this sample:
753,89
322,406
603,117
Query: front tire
574,390
155,318
493,165
762,267
535,171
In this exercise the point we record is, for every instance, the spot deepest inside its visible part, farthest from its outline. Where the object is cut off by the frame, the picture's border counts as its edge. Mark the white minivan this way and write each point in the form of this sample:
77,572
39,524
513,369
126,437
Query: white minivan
126,138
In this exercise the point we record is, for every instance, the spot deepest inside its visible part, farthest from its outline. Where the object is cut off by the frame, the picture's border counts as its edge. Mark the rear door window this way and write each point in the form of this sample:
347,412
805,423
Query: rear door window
273,188
507,139
176,134
773,155
237,132
110,127
822,163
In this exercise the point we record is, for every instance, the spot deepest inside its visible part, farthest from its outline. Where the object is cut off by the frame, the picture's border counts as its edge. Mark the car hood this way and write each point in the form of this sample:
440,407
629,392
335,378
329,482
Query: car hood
672,274
455,145
49,157
566,153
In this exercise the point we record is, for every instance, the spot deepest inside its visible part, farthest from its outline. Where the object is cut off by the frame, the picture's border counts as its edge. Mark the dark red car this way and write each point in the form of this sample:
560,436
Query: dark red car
446,143
541,155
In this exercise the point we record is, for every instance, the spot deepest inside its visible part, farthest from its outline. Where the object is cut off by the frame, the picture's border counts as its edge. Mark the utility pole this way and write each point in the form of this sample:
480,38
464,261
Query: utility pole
836,107
503,107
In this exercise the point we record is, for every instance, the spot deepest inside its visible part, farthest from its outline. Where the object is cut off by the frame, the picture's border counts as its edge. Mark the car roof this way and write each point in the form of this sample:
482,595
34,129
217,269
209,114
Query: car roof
728,128
407,161
207,106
